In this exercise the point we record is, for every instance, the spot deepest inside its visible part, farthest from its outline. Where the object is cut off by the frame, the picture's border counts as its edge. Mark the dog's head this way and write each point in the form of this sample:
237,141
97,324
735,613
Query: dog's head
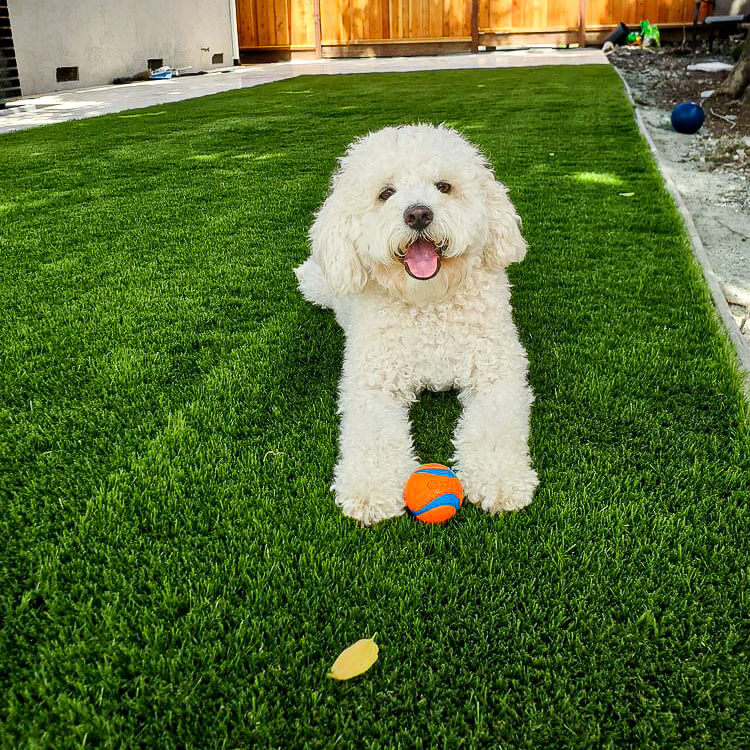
412,208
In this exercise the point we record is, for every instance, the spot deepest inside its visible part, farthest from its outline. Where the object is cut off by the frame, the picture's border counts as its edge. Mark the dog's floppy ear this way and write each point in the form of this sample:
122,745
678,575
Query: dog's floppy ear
505,244
332,240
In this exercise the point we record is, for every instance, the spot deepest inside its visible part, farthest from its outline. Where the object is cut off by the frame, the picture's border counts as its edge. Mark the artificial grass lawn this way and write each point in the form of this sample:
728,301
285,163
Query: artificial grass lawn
174,570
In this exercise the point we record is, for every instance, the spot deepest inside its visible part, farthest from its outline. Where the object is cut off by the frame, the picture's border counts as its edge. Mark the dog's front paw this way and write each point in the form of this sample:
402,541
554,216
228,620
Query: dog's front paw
369,508
512,491
371,500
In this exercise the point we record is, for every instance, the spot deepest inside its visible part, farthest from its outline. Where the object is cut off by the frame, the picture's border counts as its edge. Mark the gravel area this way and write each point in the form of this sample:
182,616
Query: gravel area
711,169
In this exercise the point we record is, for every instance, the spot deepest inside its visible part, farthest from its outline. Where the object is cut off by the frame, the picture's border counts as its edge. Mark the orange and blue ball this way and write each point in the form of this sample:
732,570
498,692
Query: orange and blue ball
433,493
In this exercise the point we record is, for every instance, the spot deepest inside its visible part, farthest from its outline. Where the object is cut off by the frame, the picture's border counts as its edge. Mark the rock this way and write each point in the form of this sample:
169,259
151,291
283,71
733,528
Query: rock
710,67
638,99
737,295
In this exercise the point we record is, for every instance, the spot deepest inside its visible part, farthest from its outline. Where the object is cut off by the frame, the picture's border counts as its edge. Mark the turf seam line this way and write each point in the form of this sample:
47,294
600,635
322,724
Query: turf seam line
699,252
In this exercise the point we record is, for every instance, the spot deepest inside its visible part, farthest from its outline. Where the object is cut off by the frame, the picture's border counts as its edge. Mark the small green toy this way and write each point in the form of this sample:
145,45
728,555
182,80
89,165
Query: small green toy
646,36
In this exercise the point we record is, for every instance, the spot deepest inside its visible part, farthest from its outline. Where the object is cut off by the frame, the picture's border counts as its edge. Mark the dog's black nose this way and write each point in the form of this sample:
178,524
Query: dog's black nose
418,216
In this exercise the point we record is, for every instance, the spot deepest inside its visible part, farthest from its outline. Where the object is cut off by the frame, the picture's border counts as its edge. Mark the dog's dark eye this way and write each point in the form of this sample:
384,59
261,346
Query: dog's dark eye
386,193
444,187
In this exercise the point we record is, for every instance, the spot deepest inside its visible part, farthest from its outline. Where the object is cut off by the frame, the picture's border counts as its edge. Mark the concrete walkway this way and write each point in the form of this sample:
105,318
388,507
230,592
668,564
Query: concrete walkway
99,100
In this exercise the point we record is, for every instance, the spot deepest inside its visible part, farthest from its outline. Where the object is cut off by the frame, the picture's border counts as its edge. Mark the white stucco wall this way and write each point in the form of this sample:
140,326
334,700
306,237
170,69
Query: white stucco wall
731,8
112,38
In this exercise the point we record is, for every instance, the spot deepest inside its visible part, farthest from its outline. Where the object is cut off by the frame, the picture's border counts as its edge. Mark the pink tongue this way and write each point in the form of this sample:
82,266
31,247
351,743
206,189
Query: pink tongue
422,259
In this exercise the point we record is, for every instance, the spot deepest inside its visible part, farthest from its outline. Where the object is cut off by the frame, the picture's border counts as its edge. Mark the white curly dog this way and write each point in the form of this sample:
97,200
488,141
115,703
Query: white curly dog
409,249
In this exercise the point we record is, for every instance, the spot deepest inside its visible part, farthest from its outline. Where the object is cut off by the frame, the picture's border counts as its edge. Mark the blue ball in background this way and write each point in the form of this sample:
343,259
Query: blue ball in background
687,117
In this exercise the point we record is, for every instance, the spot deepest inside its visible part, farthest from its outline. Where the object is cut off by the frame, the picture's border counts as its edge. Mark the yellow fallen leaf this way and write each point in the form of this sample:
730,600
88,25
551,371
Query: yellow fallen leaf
355,660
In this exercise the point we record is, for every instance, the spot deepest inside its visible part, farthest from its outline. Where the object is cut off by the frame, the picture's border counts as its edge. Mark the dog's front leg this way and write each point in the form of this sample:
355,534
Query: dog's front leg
491,441
376,455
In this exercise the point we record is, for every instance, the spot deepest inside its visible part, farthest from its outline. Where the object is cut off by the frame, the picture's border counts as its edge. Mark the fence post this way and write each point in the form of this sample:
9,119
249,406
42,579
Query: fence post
475,26
318,34
582,24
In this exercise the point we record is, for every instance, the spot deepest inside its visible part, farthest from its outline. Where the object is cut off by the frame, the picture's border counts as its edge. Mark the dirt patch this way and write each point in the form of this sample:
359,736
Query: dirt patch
711,169
660,78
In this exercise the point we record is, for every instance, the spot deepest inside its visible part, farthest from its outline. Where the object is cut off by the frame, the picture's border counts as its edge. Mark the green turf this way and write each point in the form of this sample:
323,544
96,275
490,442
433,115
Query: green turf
174,572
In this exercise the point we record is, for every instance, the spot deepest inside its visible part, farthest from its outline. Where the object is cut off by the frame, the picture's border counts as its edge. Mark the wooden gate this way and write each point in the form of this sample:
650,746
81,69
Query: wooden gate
349,27
336,28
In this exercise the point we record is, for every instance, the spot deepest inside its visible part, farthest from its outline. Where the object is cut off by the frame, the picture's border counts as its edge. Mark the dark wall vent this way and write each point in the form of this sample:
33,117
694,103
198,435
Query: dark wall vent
155,63
67,74
10,85
218,59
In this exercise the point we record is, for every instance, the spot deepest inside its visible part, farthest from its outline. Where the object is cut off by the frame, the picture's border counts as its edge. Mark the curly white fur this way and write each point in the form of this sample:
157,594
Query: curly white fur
403,334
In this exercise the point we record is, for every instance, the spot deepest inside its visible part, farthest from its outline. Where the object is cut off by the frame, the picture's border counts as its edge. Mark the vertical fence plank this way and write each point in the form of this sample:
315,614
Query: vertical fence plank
484,14
247,29
423,16
282,23
582,24
265,29
317,30
436,18
302,22
475,26
500,14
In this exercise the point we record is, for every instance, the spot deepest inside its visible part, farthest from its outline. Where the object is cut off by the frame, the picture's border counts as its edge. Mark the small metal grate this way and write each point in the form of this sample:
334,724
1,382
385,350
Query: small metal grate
66,74
10,85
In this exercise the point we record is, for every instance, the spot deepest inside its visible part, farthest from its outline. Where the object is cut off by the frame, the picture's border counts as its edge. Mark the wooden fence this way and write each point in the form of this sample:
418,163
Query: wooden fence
333,28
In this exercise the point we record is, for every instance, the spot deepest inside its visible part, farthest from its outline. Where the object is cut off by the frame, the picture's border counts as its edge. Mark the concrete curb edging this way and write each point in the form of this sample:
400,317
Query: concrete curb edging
699,252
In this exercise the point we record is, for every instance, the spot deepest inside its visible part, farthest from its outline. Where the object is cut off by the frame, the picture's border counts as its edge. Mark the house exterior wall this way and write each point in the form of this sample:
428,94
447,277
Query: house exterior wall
106,39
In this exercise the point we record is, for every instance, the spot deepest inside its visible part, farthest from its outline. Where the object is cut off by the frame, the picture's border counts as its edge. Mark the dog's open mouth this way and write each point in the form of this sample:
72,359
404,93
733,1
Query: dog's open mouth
422,259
